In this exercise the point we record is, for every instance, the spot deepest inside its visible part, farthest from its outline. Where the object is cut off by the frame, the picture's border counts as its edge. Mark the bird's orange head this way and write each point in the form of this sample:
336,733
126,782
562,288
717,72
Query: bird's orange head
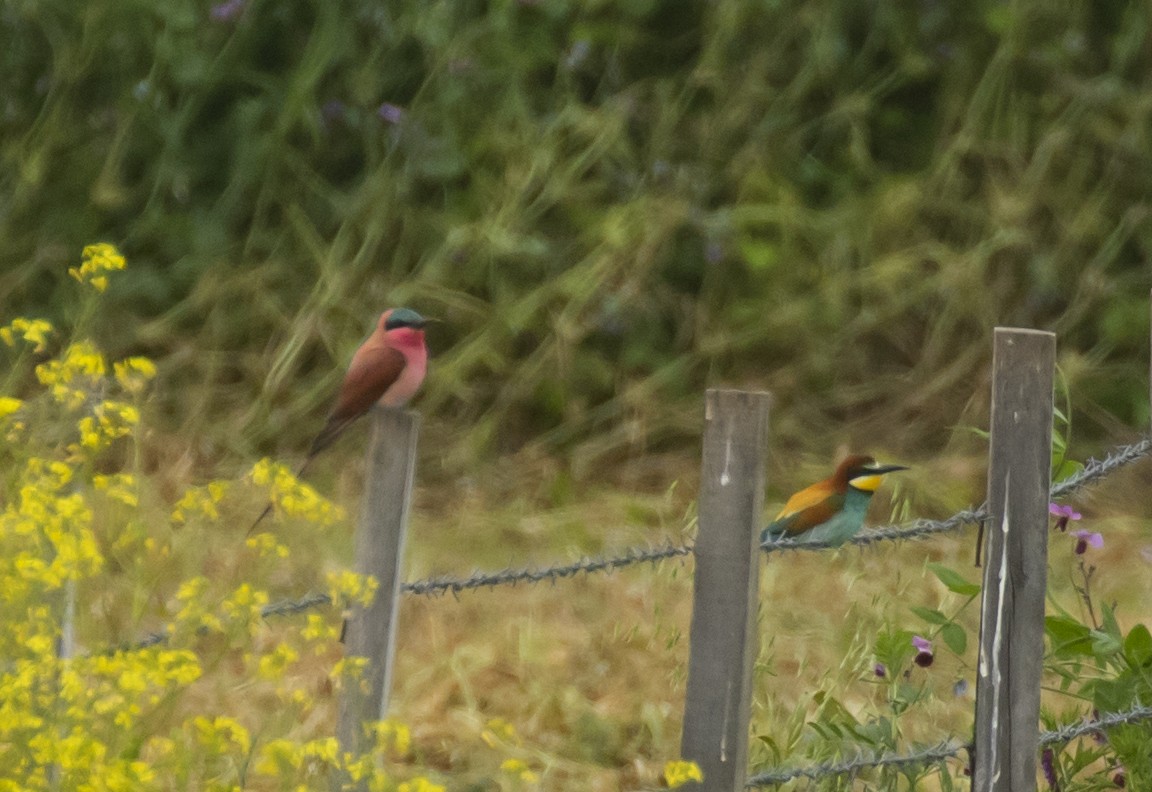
860,471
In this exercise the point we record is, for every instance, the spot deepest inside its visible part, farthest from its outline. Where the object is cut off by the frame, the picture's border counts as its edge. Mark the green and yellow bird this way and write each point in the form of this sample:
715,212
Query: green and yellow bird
831,510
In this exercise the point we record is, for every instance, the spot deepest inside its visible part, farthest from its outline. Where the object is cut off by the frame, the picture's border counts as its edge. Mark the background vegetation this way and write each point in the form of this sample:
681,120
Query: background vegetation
611,205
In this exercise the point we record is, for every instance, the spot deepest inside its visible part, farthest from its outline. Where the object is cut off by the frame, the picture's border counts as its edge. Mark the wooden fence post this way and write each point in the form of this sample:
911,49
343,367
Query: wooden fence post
1011,655
724,641
371,631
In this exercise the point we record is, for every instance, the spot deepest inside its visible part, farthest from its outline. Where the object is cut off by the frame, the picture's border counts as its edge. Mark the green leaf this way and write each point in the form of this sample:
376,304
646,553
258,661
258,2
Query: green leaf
930,615
1068,637
1111,626
955,636
1105,644
1067,468
1138,646
953,581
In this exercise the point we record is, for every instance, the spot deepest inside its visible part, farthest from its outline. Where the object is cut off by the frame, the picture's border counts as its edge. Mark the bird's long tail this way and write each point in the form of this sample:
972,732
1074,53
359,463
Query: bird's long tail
268,508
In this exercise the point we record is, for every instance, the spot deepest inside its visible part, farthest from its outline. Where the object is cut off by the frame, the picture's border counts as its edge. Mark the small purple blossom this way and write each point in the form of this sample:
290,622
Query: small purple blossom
1048,764
226,11
960,688
924,655
1086,539
391,113
1063,514
880,670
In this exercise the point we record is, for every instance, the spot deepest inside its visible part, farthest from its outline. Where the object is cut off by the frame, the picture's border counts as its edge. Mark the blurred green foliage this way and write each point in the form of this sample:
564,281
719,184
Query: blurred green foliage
611,205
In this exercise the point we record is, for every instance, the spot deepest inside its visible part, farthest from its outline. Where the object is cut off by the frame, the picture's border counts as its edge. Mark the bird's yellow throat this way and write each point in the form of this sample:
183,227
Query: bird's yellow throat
866,483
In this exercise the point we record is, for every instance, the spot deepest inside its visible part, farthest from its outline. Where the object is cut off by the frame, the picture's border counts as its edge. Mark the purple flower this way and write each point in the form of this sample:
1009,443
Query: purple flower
1063,514
880,670
1086,539
1047,763
391,113
226,11
923,646
960,688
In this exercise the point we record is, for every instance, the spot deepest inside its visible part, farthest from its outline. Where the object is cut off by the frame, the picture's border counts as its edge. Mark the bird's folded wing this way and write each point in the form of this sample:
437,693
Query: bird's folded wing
806,509
372,371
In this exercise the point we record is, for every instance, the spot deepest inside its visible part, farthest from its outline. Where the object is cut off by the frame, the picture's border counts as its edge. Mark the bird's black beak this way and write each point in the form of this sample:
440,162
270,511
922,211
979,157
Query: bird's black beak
880,470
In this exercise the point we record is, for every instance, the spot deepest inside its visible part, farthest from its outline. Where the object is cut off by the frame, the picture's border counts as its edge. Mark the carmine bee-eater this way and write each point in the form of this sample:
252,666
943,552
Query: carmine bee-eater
387,369
831,510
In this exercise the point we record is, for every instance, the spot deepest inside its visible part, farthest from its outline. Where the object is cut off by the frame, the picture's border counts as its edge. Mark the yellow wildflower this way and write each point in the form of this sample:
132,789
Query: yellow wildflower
222,732
518,768
98,260
275,664
266,545
351,587
679,773
419,785
32,331
279,758
318,629
498,730
390,735
202,500
120,487
134,373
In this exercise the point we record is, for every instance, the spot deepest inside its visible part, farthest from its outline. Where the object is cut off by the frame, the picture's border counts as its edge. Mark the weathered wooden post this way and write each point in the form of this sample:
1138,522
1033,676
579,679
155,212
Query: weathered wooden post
1011,653
371,631
724,641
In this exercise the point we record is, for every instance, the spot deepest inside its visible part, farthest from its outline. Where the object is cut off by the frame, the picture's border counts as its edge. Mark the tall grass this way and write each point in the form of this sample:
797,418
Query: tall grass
610,205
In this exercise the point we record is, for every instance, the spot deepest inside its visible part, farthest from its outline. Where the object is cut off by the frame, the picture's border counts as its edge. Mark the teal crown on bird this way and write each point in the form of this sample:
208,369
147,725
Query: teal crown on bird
403,317
831,510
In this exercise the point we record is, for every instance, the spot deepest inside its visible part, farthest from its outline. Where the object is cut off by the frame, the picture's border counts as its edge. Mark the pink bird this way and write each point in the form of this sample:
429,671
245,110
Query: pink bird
387,370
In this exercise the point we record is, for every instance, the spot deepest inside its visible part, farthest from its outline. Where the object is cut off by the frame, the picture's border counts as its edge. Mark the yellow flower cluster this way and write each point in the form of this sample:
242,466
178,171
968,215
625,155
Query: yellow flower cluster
222,735
46,537
31,331
108,720
285,759
518,768
134,373
199,609
202,501
679,773
347,586
274,664
109,421
267,546
119,487
75,375
99,260
292,496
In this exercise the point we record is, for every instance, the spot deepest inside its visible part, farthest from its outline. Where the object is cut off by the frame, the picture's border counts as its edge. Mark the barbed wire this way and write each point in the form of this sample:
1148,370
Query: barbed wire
1095,469
286,607
947,749
454,585
936,753
1092,727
